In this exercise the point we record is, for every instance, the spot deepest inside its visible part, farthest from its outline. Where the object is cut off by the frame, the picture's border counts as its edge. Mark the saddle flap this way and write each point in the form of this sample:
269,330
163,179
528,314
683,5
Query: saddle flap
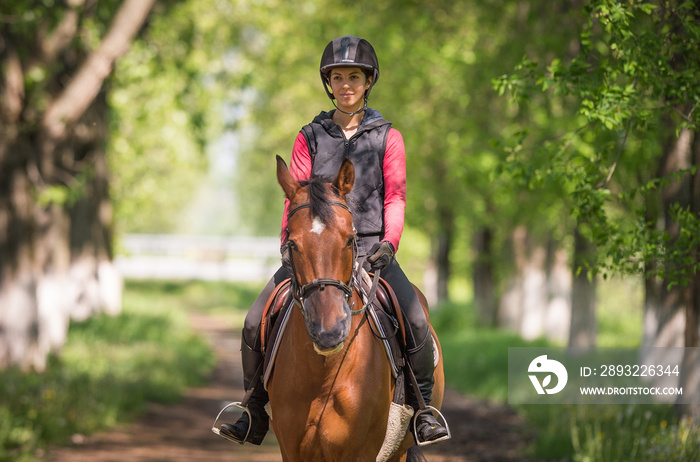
386,317
273,306
388,302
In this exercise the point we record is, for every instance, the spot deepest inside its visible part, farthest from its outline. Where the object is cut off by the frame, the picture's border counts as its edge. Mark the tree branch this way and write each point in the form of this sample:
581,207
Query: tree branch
85,85
13,87
62,34
617,158
688,117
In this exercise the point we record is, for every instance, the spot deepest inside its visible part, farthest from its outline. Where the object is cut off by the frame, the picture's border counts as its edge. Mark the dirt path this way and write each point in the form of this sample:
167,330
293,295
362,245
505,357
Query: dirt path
182,432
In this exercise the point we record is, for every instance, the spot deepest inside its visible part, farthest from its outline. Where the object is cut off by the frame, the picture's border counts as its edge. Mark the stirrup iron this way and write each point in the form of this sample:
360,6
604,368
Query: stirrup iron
217,430
441,417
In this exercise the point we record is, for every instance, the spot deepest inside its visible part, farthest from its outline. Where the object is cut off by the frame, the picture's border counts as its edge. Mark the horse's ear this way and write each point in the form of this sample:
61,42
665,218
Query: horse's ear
285,179
345,179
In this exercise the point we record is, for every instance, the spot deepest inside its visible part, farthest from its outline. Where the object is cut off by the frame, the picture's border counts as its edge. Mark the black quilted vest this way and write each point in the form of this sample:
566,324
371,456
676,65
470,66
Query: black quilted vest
328,147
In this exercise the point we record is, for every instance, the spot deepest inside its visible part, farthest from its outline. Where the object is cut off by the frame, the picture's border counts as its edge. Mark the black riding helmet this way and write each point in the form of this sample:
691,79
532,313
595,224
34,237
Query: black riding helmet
349,51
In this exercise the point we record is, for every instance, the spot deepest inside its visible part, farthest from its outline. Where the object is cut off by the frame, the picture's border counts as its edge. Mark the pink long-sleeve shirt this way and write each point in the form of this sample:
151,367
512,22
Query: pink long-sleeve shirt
394,169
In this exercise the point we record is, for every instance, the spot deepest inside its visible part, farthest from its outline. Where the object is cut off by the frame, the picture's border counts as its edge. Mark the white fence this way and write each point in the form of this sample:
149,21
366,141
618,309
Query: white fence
147,256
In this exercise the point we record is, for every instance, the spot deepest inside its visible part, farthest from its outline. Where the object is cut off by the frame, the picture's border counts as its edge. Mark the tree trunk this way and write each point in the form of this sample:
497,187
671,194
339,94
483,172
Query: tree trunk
95,283
666,305
19,329
536,301
442,254
671,310
510,310
483,277
652,283
558,315
690,379
583,330
523,305
35,254
534,279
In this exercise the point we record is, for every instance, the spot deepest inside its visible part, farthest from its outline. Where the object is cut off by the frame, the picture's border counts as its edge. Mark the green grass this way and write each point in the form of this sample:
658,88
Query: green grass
230,301
476,363
111,367
475,358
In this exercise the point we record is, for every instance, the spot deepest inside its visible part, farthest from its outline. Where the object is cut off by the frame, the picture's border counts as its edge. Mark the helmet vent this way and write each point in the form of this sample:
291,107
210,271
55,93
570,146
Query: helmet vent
345,50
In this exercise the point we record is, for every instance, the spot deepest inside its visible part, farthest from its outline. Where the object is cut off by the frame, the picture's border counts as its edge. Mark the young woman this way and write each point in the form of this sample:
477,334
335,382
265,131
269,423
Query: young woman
349,70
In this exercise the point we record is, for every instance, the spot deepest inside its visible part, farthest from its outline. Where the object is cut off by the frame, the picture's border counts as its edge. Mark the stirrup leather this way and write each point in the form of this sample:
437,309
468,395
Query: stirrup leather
217,430
441,417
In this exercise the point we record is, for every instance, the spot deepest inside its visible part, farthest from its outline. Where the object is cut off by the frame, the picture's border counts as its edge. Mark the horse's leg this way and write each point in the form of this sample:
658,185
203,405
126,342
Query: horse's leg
289,414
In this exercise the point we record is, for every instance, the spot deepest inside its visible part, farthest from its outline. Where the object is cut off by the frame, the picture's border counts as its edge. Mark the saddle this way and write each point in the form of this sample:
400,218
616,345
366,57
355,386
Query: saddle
384,314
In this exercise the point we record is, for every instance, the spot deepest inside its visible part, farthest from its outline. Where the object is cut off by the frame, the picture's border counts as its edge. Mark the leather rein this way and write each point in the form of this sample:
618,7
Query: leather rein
301,292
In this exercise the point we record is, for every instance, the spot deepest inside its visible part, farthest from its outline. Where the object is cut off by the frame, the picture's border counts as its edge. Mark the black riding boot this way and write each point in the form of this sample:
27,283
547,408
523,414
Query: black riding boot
423,365
256,405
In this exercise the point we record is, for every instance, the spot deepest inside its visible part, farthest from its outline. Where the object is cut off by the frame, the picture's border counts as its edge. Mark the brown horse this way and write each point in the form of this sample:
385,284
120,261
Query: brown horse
332,385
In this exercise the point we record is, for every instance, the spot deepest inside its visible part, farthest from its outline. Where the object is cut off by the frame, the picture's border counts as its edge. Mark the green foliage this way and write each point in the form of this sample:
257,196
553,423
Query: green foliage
169,102
108,370
612,433
26,26
435,87
580,145
633,82
476,363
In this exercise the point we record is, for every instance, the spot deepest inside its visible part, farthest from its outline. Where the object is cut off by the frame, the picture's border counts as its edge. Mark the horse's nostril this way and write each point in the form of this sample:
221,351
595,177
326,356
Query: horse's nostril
330,337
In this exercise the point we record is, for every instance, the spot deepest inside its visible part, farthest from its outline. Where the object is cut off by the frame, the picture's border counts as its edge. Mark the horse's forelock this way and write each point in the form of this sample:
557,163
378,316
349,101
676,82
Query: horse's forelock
319,199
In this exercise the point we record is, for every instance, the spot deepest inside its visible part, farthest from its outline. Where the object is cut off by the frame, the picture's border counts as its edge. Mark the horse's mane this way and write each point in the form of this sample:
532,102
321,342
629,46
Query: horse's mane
321,195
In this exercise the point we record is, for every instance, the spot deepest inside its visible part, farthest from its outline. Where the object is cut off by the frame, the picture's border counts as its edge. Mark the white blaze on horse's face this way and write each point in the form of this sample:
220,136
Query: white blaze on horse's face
317,226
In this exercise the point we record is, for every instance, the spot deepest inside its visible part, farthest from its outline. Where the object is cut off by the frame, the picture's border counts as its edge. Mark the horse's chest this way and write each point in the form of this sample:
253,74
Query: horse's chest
343,422
331,409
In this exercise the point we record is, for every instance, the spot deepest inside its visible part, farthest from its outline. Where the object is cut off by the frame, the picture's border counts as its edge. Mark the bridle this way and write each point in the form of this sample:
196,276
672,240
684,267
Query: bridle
301,292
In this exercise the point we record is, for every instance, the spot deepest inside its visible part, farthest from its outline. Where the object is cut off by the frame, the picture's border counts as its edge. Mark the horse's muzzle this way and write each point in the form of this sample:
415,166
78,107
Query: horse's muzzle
328,320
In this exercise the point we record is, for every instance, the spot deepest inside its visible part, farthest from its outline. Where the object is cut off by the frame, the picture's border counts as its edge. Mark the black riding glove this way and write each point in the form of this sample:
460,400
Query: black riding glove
381,255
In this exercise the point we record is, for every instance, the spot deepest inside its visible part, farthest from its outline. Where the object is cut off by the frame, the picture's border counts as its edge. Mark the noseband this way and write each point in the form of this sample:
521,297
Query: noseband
302,292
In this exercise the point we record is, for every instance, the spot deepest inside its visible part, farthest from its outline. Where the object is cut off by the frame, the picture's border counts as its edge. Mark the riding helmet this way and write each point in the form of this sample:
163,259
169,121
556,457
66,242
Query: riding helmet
349,51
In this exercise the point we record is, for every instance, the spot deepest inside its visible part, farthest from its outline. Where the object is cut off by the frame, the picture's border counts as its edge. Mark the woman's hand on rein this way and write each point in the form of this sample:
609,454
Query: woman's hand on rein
381,255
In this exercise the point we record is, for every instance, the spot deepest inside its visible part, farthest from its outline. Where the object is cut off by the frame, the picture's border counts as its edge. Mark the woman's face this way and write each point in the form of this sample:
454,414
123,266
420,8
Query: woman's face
348,85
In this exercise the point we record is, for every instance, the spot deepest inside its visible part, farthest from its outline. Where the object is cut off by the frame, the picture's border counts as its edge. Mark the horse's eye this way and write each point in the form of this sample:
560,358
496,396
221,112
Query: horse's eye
351,241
